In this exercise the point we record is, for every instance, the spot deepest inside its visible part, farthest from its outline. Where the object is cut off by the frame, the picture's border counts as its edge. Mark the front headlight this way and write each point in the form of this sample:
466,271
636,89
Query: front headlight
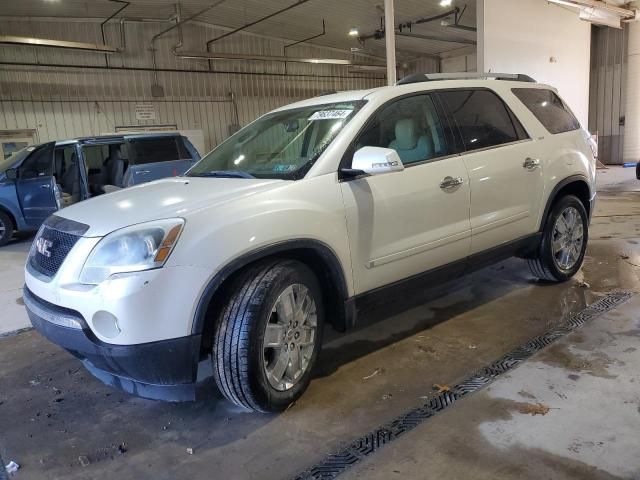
132,249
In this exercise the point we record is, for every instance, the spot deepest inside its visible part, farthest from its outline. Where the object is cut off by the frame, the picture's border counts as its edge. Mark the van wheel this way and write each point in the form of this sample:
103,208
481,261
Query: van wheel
6,228
564,241
268,336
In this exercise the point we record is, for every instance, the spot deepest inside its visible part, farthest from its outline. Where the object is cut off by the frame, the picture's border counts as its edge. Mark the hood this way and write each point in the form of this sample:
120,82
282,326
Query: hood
168,198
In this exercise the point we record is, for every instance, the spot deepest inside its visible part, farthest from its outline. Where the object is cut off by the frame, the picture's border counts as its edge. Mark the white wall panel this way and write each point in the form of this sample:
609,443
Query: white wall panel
65,102
540,39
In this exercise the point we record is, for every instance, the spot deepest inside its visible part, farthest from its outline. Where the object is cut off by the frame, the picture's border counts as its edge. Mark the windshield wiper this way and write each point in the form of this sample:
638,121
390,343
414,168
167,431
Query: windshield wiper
224,174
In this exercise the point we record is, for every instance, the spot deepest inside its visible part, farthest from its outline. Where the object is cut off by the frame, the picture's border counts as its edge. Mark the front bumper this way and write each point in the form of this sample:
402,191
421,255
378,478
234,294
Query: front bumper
162,370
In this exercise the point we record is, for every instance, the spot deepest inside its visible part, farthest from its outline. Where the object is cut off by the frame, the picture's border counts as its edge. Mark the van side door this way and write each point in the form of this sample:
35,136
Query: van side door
155,157
36,185
505,170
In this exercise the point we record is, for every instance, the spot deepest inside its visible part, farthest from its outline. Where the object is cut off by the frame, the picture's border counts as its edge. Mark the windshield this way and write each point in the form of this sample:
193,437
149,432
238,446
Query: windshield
280,145
16,158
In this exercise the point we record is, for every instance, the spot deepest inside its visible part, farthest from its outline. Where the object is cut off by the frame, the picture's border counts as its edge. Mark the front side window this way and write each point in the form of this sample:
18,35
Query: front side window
482,118
548,108
280,145
410,126
38,164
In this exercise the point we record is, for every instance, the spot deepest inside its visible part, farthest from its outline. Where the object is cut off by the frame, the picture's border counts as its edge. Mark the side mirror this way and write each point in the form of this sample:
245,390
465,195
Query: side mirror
11,173
375,161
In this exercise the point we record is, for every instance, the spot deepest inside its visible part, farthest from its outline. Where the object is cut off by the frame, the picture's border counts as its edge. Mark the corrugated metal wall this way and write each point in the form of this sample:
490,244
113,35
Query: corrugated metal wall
632,97
607,91
69,102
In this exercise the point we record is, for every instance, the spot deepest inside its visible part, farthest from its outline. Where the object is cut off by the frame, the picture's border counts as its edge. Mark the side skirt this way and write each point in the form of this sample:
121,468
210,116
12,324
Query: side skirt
522,247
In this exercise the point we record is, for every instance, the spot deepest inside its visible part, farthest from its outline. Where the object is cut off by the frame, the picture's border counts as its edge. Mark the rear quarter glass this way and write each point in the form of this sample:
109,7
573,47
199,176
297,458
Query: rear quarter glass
548,108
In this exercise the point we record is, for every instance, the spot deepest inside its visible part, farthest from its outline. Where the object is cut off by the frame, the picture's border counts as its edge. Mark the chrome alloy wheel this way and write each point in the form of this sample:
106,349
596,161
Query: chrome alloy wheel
567,240
290,337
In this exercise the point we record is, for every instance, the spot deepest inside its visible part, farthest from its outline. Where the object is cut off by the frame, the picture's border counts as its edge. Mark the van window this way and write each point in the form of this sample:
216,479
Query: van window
548,108
410,126
482,118
159,149
38,164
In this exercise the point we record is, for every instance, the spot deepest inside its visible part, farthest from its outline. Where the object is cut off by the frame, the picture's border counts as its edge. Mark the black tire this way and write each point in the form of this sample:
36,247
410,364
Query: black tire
544,265
7,232
238,352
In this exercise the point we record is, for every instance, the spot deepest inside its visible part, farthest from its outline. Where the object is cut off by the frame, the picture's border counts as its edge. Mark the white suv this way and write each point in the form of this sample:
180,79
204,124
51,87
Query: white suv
298,218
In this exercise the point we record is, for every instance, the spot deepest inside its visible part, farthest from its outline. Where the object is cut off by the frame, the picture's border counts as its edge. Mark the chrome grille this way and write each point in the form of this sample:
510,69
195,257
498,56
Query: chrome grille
53,243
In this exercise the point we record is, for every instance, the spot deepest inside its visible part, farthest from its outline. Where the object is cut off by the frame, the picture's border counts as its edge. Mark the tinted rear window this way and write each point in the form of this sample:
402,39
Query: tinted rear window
548,108
482,118
154,150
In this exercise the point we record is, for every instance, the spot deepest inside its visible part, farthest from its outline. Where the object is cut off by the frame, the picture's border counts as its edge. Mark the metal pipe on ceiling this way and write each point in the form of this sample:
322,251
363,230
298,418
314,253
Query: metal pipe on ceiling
437,38
419,21
106,20
271,58
43,42
176,70
324,32
255,22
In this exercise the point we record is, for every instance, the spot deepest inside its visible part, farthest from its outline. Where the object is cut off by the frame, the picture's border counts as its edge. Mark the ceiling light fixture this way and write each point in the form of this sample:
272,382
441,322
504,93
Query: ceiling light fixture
445,3
353,32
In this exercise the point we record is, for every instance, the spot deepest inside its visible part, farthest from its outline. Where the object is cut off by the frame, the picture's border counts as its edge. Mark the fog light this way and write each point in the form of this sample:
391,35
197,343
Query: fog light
106,324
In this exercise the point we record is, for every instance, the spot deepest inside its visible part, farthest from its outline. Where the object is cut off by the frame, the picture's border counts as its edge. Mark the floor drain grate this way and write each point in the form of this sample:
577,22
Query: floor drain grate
337,463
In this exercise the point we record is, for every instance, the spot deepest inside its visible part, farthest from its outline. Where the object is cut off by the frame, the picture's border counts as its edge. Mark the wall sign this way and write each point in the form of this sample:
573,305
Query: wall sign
145,111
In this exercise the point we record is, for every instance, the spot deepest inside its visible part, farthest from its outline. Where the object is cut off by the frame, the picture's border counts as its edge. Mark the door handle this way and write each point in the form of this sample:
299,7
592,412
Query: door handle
142,172
531,163
449,183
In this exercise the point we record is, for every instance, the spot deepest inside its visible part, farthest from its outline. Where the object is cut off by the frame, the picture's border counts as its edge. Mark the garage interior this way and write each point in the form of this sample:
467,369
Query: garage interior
493,376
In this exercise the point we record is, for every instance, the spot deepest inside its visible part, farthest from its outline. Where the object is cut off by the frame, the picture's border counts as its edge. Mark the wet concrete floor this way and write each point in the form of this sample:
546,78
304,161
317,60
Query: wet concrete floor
59,422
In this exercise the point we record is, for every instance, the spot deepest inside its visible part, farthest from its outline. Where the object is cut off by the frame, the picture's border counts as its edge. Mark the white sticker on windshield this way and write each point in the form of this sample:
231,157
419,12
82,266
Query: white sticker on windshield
330,114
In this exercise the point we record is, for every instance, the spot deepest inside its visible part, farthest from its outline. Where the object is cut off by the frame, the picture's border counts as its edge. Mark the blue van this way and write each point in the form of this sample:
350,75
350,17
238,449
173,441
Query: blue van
41,179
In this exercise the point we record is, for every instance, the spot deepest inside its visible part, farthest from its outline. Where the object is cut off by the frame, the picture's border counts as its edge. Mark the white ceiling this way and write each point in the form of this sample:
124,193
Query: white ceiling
296,24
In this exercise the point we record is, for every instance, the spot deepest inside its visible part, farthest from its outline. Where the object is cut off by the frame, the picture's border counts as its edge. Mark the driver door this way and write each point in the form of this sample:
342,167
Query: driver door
405,223
36,185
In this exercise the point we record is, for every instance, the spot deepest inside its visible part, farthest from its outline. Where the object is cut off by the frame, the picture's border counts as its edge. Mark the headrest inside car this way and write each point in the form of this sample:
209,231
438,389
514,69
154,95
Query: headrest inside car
406,134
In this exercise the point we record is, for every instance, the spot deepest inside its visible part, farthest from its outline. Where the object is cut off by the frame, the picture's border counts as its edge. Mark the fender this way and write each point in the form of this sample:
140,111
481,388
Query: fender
336,274
559,186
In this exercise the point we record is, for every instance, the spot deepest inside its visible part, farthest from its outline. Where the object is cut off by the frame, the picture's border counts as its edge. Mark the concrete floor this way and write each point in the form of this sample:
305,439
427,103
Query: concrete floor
52,412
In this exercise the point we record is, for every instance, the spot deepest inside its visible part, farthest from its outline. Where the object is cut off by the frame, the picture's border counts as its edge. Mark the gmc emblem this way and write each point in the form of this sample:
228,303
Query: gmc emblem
43,245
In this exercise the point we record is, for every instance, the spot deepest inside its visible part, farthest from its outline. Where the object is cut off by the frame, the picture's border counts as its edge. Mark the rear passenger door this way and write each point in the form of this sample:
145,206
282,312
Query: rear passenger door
404,223
505,171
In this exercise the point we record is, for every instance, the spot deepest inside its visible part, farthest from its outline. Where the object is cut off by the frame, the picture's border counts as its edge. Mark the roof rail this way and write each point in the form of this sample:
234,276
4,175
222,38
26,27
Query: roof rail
431,77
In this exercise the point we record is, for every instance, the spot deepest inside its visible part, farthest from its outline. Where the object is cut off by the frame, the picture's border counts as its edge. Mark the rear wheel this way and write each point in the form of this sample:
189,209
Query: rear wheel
564,241
269,335
6,228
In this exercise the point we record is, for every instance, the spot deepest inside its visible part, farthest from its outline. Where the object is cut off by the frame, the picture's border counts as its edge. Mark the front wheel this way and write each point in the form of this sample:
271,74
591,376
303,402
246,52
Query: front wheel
6,228
564,241
268,336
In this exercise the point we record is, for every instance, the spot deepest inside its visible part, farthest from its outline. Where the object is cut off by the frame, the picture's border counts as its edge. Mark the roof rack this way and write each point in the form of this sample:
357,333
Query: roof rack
431,77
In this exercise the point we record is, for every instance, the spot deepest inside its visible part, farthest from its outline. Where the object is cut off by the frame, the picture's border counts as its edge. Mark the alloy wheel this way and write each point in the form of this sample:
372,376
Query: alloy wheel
567,239
290,337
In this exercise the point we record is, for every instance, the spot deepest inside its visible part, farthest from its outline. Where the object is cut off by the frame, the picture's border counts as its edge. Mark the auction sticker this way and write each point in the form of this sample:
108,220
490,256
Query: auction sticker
330,114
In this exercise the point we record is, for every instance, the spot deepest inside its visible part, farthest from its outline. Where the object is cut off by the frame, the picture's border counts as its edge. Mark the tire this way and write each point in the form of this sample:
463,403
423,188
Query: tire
549,265
245,369
6,228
